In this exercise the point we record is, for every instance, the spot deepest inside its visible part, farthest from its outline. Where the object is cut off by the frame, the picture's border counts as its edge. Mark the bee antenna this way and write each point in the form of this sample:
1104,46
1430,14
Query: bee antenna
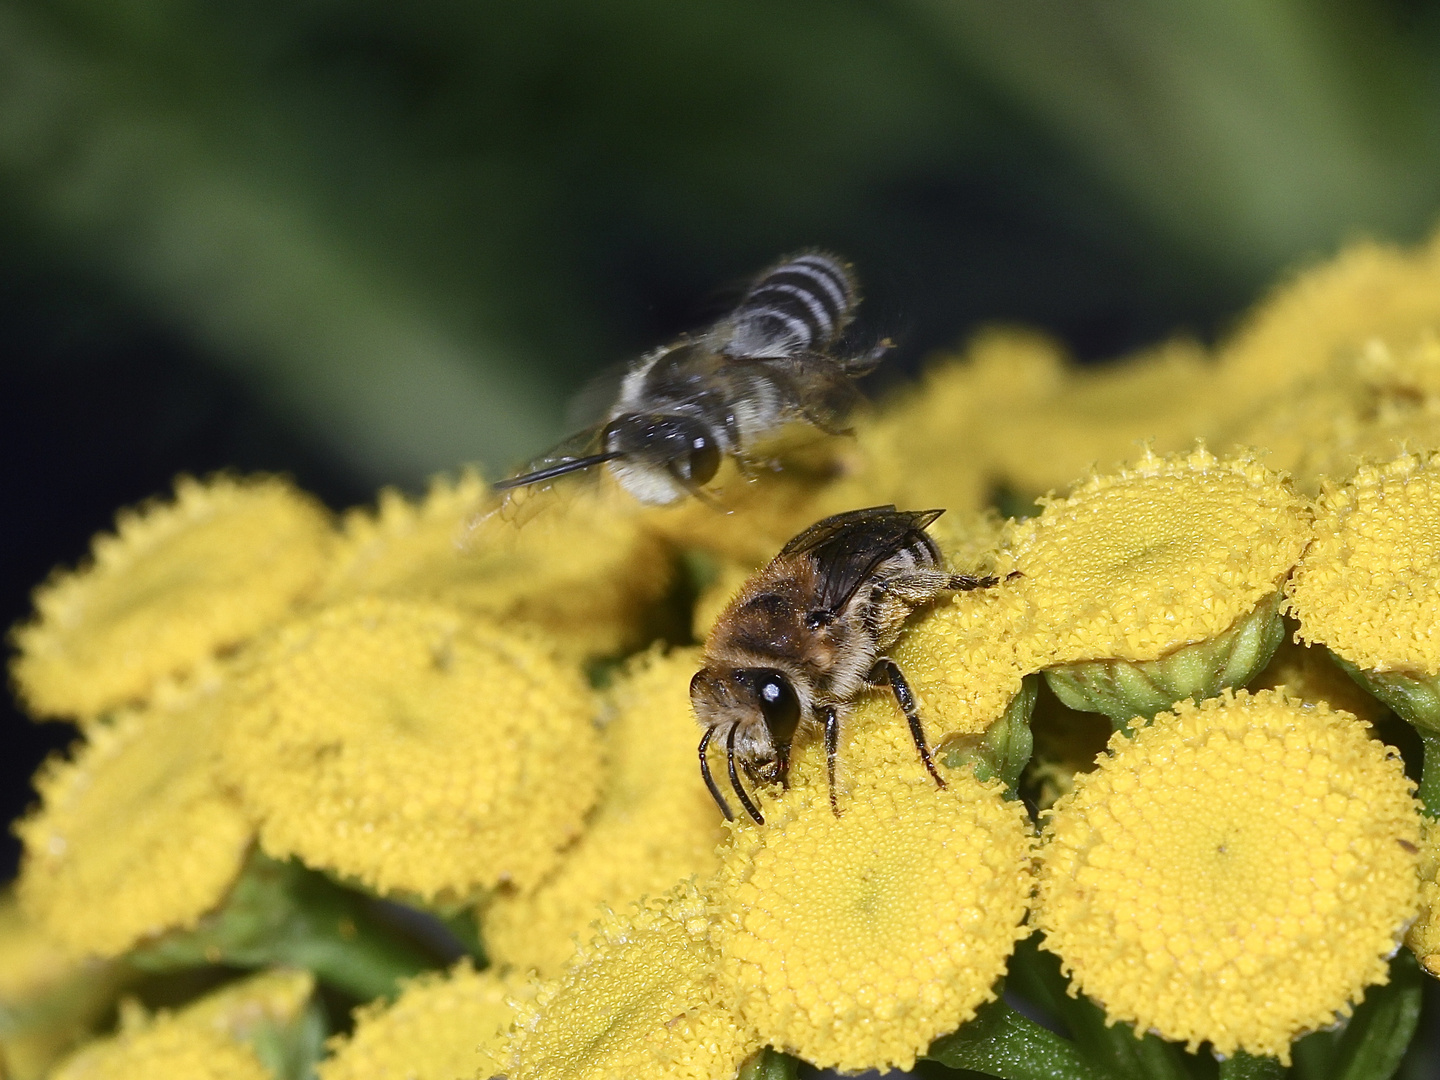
710,780
735,777
562,469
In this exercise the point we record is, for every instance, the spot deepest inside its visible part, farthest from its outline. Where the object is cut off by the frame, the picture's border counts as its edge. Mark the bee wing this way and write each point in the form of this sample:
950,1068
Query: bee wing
820,389
579,452
848,547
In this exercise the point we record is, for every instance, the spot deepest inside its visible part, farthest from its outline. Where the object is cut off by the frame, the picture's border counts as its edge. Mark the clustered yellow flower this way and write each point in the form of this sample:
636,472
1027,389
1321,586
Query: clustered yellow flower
454,715
1236,872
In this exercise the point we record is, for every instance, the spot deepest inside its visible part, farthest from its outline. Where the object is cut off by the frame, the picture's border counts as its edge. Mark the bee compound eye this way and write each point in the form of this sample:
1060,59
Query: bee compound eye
704,460
779,705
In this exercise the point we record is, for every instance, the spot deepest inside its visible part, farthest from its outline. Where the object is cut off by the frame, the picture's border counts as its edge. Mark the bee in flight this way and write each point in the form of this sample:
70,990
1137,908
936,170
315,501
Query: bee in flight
683,408
807,635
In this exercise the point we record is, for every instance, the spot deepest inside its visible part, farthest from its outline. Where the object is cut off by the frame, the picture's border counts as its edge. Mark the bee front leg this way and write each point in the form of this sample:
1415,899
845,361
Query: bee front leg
886,671
832,748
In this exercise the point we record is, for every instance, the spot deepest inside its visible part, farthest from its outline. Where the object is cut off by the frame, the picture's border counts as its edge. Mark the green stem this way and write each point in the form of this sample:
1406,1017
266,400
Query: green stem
283,914
1430,773
1001,1042
1244,1067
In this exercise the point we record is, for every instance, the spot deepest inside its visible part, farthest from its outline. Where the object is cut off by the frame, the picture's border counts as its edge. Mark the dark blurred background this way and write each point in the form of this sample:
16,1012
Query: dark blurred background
361,242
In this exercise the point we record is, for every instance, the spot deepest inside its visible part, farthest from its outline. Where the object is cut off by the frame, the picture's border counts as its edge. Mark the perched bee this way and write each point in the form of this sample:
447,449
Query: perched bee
684,407
807,635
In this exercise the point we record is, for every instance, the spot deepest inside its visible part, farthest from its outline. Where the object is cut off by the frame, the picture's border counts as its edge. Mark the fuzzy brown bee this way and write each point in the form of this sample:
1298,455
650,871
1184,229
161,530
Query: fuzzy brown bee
807,635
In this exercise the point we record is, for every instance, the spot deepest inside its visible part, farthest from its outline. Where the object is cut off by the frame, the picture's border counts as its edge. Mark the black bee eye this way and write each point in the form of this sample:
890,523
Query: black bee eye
704,460
778,705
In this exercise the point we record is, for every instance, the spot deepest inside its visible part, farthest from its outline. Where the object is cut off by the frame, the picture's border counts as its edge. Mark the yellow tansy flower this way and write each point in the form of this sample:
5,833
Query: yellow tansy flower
247,1009
135,835
168,1047
443,1026
414,748
1369,586
656,823
642,999
1423,937
177,583
1310,673
1236,873
1132,568
48,1002
854,941
584,569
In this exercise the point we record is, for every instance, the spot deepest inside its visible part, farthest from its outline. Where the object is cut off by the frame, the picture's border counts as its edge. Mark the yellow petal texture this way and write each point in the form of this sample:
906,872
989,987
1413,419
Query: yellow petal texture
656,823
1170,552
415,748
135,835
853,942
168,1047
246,1009
583,568
1369,585
443,1026
48,1002
1237,872
642,999
1423,938
174,585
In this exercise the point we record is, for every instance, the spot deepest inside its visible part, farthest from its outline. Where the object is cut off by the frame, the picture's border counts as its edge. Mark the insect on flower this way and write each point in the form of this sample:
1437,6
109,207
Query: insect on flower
807,635
684,407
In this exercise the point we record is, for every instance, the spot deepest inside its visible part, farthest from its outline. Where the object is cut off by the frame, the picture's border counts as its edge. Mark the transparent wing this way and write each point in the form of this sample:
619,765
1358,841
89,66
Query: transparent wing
848,547
580,452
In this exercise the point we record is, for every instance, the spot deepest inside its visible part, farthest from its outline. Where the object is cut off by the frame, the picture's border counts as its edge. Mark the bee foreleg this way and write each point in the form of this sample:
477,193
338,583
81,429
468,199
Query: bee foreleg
887,671
750,807
832,748
710,780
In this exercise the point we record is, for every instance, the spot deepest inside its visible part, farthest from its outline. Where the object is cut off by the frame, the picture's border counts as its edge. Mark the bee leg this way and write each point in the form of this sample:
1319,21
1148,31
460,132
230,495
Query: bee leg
710,780
832,747
887,670
965,583
782,765
749,806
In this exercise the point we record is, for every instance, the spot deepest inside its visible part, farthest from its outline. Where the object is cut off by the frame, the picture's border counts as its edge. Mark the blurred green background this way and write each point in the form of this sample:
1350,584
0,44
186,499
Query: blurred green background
365,241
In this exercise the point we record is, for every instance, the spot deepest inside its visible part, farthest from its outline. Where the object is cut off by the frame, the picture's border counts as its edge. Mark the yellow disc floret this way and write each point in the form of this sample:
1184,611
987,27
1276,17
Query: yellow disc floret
415,748
1369,585
655,824
1168,553
854,941
176,583
641,999
135,835
1424,937
441,1027
1236,873
583,569
168,1047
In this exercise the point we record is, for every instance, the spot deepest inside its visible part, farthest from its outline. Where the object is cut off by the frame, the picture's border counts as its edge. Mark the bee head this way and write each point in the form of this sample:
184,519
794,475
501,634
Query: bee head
686,447
761,703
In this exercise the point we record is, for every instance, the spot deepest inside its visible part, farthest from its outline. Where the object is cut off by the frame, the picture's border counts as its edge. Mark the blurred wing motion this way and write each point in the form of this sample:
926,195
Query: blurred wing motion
683,408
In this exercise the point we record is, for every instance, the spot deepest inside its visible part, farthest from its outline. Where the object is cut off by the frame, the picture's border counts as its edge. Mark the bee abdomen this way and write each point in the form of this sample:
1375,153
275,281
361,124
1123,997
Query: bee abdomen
799,305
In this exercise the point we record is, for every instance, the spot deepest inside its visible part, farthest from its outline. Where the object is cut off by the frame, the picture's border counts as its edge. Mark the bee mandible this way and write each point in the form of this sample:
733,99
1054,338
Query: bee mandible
684,407
808,634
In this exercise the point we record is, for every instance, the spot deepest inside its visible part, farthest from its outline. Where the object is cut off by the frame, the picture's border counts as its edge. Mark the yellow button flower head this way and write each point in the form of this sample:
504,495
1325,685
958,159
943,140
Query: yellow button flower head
656,824
443,1026
583,569
249,1009
853,942
1423,938
1332,310
641,999
1237,872
135,835
1134,567
1369,585
414,748
168,1047
177,583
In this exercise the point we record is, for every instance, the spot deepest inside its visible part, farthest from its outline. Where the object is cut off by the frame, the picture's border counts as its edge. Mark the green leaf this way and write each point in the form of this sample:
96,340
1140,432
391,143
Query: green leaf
1371,1044
1244,1067
1001,1042
769,1064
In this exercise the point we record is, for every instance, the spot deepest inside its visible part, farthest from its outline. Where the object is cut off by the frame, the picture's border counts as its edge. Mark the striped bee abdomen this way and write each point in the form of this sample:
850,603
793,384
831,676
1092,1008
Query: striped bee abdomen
800,305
